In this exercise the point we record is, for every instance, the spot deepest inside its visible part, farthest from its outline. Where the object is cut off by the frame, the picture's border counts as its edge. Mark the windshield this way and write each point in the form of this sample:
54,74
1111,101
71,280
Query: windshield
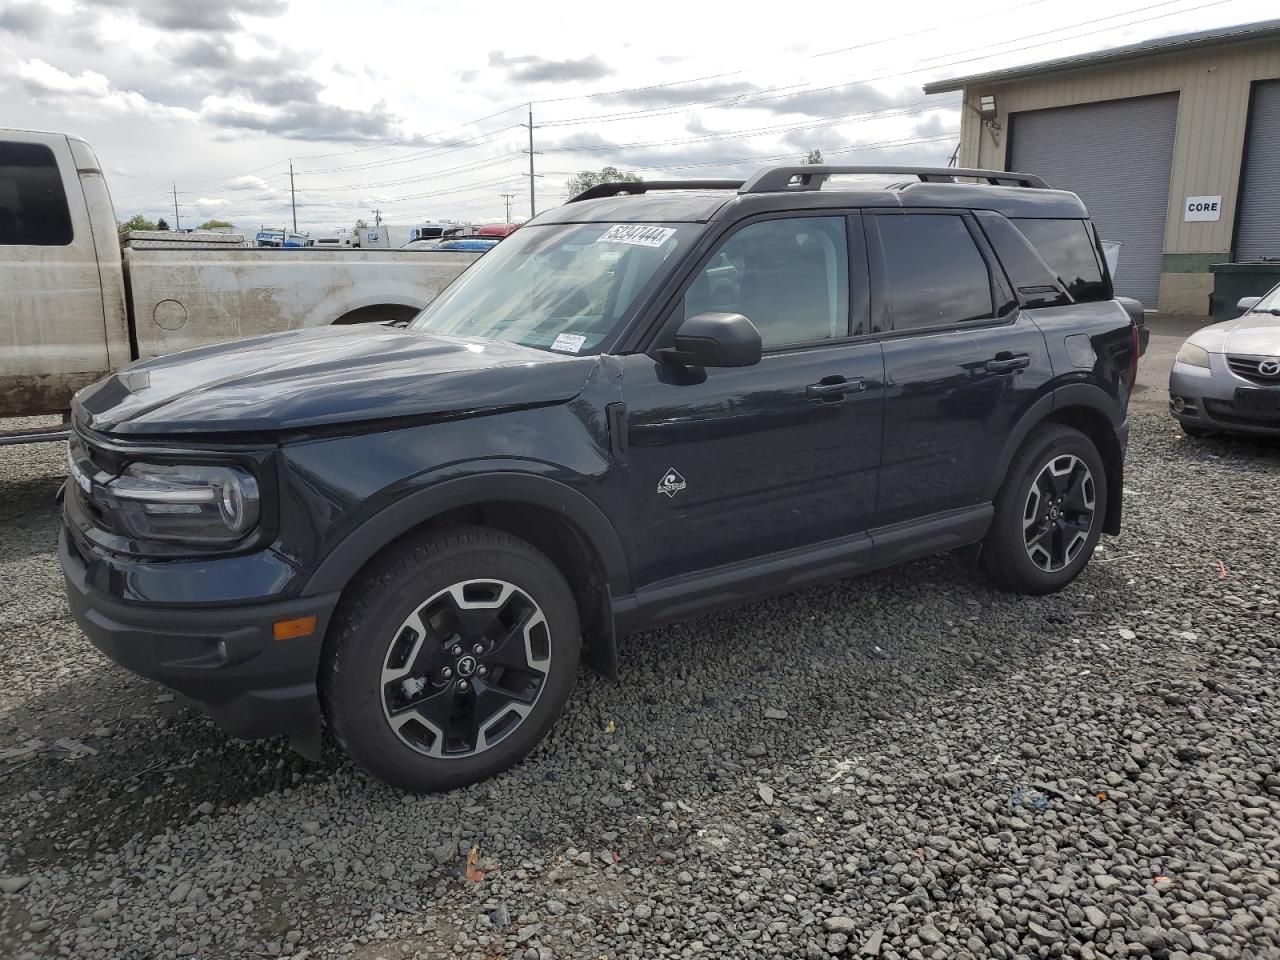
1270,303
563,287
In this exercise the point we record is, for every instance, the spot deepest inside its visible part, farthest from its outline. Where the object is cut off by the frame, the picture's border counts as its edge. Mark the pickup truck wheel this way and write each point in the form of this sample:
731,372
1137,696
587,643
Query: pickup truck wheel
450,660
1048,513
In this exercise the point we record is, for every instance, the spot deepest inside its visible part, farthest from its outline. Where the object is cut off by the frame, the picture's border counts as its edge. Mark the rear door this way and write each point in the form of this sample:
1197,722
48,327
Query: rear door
962,361
728,465
53,336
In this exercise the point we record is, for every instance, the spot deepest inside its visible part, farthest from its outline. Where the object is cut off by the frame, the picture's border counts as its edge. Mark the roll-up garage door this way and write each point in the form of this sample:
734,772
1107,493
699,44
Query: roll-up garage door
1258,227
1118,156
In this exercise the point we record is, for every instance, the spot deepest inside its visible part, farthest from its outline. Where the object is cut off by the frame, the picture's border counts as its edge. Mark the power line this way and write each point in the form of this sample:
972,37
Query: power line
765,94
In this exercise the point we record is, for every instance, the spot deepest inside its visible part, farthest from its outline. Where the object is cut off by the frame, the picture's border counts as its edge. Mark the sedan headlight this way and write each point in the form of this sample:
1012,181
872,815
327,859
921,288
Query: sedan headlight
196,504
1193,356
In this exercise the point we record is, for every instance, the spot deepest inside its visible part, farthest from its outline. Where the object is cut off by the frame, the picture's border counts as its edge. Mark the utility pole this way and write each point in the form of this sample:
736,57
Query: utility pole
533,206
508,197
954,156
293,198
176,224
377,218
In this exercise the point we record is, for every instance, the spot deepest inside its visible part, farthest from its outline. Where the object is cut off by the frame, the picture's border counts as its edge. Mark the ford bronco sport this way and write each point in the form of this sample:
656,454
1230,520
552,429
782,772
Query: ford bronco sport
656,400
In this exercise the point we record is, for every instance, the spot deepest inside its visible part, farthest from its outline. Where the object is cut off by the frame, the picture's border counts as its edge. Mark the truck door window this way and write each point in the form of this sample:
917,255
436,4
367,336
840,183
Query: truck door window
937,277
33,205
790,277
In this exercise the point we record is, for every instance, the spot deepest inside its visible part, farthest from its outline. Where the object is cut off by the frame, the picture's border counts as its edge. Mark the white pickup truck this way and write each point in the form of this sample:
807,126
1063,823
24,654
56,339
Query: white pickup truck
76,305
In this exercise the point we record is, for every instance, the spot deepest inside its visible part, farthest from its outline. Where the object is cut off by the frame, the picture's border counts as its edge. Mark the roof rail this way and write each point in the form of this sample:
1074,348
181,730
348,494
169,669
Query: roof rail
811,177
644,186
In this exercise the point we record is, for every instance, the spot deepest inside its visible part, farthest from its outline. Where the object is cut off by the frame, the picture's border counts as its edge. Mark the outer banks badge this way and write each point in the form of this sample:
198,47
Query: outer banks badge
671,482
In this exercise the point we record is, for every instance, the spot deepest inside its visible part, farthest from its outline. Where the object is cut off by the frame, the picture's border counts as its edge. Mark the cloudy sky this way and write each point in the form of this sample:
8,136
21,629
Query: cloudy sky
415,108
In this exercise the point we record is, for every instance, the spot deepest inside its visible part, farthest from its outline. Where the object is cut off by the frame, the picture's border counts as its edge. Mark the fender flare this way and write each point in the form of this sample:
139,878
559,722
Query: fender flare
367,540
1086,395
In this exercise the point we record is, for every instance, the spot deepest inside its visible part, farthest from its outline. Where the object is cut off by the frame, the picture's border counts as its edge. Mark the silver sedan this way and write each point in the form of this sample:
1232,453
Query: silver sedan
1226,377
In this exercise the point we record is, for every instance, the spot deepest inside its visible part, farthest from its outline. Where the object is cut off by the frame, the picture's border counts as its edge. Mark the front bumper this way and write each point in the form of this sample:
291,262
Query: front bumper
1208,399
226,657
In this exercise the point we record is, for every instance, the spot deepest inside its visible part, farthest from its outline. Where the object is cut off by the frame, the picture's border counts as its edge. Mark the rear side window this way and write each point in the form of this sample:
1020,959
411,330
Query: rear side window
937,276
1036,285
33,205
1067,247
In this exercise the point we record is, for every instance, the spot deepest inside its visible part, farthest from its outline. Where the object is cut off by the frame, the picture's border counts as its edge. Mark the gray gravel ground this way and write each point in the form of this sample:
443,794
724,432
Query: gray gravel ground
906,764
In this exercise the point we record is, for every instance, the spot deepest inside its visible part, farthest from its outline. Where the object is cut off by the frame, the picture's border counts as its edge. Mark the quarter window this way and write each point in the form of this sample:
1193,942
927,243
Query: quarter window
1067,247
790,277
937,277
33,205
1035,283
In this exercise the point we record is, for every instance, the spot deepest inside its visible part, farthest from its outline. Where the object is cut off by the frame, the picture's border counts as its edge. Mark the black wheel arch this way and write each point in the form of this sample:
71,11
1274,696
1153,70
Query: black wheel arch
561,522
1089,409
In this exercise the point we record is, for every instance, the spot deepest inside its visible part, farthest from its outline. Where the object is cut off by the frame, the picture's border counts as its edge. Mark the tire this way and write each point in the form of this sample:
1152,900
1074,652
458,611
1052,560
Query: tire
405,690
1045,554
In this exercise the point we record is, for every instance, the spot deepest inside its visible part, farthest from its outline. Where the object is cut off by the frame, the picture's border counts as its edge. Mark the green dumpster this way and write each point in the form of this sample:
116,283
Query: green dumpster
1231,281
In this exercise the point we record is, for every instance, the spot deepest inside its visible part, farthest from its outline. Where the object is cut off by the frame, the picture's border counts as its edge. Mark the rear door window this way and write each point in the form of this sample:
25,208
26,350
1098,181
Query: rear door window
936,275
1067,247
33,204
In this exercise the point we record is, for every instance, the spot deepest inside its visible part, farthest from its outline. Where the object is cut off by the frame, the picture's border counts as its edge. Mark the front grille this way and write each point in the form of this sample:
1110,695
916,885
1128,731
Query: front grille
1247,367
1224,411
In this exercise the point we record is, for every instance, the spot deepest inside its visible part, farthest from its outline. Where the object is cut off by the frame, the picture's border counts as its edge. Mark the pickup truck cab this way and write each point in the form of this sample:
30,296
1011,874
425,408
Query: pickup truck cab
656,400
74,305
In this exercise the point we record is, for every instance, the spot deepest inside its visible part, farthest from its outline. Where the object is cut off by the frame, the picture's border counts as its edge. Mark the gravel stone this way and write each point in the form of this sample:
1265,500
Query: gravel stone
1007,777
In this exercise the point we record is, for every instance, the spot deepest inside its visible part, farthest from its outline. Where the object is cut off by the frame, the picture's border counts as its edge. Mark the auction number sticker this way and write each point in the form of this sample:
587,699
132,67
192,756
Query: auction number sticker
638,233
569,342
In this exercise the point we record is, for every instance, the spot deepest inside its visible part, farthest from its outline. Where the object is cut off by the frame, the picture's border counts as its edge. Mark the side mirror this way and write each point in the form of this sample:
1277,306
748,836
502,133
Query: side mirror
1245,304
716,340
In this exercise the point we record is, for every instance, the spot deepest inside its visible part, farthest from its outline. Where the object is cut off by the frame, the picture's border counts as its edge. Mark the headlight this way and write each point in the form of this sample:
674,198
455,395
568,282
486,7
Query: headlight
1193,356
187,503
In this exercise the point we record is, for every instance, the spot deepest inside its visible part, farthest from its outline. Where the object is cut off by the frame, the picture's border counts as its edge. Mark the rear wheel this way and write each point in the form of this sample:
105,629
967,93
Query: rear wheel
450,660
1048,513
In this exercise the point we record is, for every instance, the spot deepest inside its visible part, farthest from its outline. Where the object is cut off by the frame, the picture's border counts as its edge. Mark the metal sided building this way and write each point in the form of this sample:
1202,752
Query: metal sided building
1173,143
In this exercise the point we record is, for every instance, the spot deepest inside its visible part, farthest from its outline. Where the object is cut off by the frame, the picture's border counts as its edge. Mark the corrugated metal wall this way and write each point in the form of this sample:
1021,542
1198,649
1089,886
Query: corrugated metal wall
1118,156
1258,232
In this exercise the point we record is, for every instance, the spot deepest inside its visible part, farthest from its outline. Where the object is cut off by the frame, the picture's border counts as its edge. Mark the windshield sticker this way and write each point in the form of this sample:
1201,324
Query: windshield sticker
569,343
637,233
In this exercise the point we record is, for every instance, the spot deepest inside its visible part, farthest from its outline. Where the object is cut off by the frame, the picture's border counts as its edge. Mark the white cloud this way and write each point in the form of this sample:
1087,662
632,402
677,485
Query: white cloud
87,93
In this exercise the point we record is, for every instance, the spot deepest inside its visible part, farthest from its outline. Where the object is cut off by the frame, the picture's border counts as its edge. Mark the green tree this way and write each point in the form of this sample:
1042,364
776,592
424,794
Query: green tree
136,222
162,224
591,178
215,224
813,157
362,224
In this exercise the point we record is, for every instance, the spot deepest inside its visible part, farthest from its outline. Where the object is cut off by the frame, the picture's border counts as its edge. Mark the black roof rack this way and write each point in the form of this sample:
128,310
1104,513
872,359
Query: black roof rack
644,186
810,177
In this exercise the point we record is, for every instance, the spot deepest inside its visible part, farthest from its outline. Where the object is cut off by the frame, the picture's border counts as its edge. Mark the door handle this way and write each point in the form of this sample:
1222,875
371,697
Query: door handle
1005,362
833,389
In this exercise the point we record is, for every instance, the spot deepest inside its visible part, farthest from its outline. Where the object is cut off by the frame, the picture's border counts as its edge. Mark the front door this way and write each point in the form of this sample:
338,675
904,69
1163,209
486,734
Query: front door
962,362
728,465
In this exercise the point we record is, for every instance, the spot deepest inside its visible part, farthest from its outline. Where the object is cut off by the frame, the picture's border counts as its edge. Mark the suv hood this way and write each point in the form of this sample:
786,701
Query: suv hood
1254,333
326,376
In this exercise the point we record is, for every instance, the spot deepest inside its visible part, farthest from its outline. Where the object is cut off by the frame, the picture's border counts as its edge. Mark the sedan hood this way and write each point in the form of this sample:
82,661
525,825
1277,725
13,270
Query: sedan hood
1256,334
326,376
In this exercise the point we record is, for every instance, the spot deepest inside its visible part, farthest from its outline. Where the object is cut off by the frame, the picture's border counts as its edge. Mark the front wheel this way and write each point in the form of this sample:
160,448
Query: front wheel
450,660
1048,513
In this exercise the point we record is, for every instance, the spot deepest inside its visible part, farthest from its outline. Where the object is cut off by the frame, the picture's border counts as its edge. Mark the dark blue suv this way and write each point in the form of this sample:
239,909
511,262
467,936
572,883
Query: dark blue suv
656,400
